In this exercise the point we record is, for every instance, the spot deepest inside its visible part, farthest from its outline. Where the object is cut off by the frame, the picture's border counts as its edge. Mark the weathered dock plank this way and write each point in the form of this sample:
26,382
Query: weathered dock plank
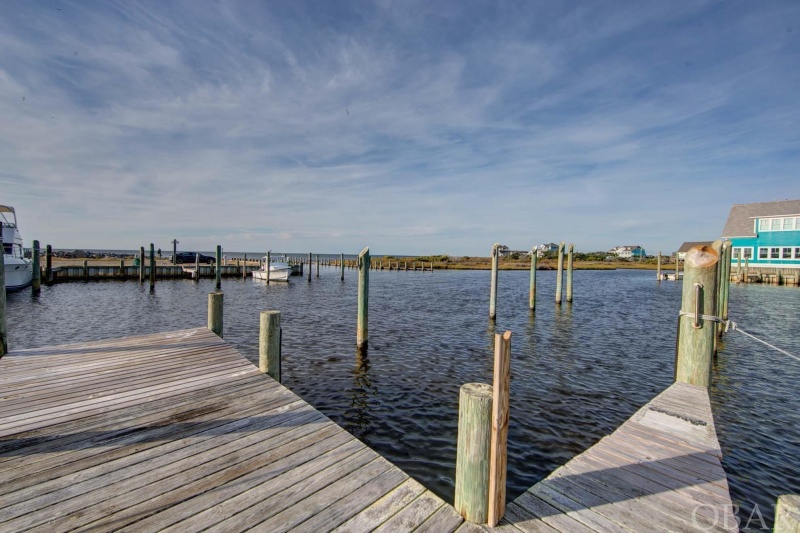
177,431
660,471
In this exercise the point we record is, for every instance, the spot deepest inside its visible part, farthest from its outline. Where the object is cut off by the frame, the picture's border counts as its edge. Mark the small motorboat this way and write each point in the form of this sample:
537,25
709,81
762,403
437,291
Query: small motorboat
18,269
277,271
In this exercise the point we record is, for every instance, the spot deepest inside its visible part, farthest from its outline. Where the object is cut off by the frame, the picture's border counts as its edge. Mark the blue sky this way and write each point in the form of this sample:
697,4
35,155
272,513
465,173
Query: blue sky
411,127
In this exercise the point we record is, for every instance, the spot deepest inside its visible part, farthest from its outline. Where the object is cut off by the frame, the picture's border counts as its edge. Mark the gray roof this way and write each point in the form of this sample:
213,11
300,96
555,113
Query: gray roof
740,219
685,247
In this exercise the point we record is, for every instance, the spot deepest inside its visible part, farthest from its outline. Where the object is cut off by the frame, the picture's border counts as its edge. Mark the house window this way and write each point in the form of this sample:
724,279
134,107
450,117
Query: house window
763,225
797,253
763,253
744,253
787,253
776,224
788,224
774,253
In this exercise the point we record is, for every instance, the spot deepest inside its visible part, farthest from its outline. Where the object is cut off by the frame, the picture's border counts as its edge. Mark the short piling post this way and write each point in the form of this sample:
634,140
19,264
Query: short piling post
141,264
48,265
317,265
362,335
560,274
85,269
218,270
244,267
215,312
3,330
532,289
473,452
341,263
122,269
493,282
174,251
36,283
570,251
196,267
677,266
269,344
658,269
696,334
787,514
269,262
152,268
499,439
309,266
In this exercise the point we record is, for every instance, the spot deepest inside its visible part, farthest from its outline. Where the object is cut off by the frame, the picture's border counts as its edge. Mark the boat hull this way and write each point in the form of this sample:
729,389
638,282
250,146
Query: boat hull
18,273
274,275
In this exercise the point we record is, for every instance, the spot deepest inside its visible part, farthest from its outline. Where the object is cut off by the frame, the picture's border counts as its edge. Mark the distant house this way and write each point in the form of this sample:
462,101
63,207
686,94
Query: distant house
503,250
685,247
628,252
767,234
545,248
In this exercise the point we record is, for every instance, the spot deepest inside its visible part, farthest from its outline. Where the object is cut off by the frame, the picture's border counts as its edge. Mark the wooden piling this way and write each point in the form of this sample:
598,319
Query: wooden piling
658,270
787,514
197,267
696,334
498,456
677,266
726,286
473,452
152,267
141,264
269,344
362,335
739,265
215,312
244,267
269,262
493,283
218,270
3,330
174,251
570,252
317,265
309,266
36,283
85,269
341,262
560,272
532,289
48,265
122,269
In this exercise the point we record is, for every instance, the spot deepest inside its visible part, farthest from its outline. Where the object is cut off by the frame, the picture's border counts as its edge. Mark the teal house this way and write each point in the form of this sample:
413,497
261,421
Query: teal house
767,234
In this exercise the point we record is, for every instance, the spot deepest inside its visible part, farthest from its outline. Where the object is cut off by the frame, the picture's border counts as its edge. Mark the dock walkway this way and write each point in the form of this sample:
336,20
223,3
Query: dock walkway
659,471
177,431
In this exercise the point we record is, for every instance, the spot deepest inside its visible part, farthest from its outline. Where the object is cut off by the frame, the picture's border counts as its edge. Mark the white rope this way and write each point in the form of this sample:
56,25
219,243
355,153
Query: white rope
734,327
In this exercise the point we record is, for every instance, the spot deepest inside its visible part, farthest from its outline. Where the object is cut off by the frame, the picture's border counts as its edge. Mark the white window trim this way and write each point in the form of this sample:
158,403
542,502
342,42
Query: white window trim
735,255
767,221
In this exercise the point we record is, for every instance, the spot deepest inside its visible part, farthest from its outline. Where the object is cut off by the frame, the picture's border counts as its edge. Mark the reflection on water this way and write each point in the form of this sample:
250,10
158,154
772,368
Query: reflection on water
364,398
578,370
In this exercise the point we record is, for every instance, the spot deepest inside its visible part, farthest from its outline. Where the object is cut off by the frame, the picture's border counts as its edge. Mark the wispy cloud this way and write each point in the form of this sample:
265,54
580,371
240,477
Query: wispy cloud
411,127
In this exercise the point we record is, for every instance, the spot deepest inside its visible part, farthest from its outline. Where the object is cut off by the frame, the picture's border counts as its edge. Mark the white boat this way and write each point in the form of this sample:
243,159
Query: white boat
278,271
18,269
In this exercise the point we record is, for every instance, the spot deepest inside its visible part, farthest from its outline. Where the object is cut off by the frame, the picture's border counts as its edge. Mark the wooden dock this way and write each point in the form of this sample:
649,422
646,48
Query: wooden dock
659,471
177,431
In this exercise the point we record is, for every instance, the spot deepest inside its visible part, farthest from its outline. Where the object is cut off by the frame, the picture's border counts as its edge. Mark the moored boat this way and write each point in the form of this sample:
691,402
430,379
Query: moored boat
18,269
277,271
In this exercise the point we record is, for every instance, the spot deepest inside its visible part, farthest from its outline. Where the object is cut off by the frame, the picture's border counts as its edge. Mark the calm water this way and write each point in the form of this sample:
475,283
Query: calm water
578,370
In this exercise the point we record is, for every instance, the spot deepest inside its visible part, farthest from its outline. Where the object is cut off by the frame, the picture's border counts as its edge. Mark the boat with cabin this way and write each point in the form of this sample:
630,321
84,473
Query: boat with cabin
277,270
18,268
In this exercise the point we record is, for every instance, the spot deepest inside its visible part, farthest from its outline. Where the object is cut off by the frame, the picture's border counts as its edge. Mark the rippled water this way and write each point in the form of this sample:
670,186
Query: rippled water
578,370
